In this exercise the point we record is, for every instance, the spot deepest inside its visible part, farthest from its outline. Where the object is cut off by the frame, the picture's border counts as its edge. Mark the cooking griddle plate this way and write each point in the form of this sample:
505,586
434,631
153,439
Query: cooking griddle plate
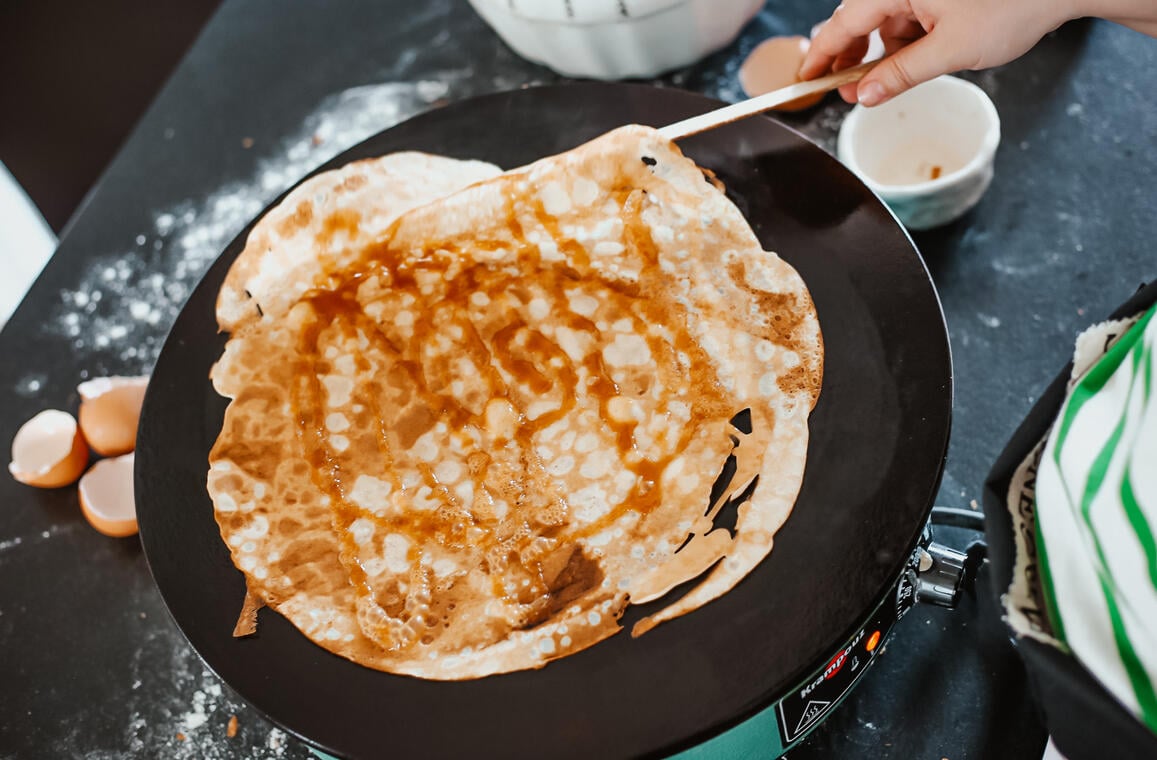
878,439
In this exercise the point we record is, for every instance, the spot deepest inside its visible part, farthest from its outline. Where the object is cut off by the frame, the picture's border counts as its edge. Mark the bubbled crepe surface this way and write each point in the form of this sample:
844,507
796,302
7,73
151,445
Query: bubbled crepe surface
616,259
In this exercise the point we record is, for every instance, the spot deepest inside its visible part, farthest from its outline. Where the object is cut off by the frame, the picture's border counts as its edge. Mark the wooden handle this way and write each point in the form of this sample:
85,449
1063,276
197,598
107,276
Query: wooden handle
752,106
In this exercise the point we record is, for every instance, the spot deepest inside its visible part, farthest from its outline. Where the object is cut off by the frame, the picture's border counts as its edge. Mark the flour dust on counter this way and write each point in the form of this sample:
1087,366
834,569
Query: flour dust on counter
30,540
125,301
194,717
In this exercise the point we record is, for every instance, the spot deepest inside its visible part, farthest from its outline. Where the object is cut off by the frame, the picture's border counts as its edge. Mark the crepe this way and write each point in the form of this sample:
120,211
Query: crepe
475,415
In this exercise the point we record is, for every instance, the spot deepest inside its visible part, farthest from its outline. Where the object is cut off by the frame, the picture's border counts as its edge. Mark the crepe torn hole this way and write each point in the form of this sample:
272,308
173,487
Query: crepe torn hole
723,509
723,480
742,421
247,620
727,518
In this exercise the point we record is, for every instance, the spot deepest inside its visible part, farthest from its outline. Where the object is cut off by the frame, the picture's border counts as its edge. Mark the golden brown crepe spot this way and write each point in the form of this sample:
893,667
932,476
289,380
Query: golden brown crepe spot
299,220
353,182
341,222
799,380
785,313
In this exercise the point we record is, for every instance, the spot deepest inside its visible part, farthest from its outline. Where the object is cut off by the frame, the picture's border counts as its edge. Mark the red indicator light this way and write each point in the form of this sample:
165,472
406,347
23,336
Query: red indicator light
873,640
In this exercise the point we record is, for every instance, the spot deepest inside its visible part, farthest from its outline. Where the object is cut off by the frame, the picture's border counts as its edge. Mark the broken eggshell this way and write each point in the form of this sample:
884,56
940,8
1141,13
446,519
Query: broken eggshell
106,496
110,409
49,450
773,64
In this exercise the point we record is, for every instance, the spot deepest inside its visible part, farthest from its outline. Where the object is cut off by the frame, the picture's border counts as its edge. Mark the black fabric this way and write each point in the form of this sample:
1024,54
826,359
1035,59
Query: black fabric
1084,719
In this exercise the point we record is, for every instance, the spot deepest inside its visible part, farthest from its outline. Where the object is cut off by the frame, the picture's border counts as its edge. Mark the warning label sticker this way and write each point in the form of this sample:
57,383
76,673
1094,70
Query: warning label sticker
811,714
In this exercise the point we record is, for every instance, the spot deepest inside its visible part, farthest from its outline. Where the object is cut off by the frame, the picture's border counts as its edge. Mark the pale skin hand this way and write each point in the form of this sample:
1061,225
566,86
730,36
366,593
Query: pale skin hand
926,38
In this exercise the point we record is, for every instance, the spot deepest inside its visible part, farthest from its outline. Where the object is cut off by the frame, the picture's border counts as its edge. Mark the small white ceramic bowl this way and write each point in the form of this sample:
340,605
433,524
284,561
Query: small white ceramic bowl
928,153
616,39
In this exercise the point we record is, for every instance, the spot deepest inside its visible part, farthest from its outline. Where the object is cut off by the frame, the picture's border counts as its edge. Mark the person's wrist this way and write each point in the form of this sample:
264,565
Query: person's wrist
1069,10
1135,10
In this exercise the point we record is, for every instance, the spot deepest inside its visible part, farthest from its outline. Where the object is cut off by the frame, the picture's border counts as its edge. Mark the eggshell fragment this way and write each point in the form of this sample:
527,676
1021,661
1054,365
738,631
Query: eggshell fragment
110,408
48,451
106,496
774,64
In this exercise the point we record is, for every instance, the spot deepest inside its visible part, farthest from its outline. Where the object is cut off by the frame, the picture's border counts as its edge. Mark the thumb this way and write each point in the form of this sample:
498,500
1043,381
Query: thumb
912,64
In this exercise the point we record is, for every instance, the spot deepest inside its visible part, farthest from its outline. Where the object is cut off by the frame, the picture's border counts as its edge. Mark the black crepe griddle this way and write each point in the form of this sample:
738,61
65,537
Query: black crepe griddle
878,439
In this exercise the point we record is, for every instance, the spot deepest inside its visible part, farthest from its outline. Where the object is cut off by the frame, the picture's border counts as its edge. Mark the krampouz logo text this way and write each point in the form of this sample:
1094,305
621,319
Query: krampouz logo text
832,668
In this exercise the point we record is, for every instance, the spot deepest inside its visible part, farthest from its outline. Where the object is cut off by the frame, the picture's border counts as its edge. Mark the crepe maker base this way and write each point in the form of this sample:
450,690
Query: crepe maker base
879,434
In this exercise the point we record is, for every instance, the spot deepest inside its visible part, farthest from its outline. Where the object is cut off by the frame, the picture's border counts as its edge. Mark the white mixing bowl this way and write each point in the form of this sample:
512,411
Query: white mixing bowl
616,39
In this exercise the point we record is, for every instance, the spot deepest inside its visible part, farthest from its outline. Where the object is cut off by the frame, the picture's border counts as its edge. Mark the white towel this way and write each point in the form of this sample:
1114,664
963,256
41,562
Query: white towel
1096,515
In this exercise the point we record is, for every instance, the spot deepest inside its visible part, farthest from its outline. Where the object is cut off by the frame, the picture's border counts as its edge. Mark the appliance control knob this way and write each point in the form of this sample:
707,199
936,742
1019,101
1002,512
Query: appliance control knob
939,576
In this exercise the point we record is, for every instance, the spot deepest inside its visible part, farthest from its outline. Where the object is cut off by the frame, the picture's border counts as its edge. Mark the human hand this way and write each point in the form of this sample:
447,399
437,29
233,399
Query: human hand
926,38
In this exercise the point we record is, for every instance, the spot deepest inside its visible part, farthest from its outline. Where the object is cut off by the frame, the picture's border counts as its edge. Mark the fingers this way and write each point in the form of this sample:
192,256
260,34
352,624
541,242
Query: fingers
915,63
912,56
849,26
851,56
897,32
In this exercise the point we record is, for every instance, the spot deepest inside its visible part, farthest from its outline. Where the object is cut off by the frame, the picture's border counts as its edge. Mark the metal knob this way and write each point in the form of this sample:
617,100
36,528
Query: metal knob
939,574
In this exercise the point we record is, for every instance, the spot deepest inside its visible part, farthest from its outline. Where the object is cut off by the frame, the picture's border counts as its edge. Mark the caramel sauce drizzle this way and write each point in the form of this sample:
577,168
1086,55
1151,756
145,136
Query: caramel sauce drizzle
500,343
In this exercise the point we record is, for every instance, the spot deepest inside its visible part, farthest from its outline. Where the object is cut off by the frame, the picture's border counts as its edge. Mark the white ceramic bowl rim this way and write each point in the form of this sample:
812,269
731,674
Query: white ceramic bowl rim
580,13
984,153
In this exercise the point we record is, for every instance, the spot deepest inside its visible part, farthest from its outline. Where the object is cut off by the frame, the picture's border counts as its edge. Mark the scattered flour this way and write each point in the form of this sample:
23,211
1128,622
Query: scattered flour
31,540
276,741
126,301
30,385
191,721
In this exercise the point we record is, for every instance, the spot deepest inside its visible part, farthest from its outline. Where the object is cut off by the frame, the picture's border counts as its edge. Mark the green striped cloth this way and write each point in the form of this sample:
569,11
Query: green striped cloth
1096,513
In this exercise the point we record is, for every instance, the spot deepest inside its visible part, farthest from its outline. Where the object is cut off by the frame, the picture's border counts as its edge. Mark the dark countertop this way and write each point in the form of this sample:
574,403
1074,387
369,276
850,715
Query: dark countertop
90,662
